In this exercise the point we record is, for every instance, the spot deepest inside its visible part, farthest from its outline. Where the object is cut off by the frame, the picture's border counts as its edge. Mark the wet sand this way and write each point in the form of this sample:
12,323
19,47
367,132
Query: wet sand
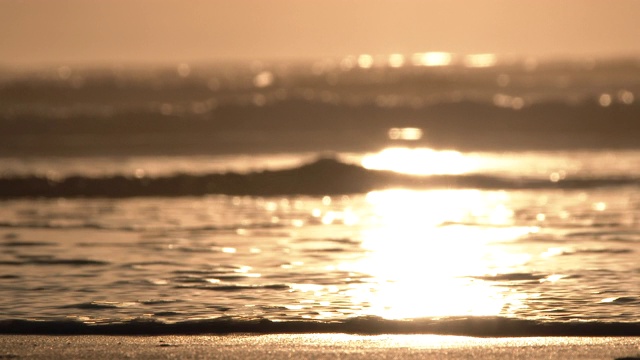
315,346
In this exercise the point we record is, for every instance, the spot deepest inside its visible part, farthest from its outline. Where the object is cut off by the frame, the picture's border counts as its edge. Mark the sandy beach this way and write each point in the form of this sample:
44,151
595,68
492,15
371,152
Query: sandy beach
315,346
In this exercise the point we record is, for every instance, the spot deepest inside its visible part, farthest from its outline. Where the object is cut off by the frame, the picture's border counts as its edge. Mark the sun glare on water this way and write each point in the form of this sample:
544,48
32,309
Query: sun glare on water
421,161
423,259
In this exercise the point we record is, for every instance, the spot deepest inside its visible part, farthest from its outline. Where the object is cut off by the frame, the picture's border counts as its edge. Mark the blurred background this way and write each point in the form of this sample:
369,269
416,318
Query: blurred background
69,32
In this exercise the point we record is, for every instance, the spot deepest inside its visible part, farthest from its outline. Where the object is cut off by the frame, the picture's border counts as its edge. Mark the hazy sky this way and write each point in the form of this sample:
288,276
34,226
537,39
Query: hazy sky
58,31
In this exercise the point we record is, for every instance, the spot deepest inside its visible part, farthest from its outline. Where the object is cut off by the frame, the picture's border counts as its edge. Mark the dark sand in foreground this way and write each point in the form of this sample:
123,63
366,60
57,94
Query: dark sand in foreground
315,346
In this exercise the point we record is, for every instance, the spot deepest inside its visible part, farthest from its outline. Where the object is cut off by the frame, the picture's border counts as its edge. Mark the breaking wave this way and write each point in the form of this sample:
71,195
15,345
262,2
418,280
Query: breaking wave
325,176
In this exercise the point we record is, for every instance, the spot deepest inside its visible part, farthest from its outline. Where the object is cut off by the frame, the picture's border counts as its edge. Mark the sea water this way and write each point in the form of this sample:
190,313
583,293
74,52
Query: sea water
109,223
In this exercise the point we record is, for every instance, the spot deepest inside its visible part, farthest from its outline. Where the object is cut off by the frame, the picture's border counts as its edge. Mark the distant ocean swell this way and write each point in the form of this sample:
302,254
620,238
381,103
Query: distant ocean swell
242,109
322,177
466,326
307,126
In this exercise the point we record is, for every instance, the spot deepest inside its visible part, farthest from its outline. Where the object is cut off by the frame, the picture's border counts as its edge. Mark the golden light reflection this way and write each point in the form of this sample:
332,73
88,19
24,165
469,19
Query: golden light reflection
365,61
421,161
604,100
407,209
396,60
626,97
424,259
263,79
480,60
431,59
506,101
409,133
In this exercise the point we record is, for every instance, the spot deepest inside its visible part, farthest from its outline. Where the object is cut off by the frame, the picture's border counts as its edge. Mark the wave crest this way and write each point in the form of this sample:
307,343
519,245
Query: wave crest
325,176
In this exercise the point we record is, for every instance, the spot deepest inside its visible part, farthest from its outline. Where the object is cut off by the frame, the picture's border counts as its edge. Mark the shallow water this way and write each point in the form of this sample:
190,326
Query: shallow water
545,254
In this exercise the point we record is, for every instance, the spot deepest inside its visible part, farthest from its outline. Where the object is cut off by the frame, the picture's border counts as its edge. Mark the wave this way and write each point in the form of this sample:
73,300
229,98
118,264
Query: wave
13,244
325,176
236,287
46,224
219,109
50,260
598,251
307,126
465,326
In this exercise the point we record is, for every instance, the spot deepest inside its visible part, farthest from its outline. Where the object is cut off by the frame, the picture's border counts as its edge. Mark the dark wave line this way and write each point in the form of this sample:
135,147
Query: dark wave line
236,287
323,177
45,261
44,224
465,326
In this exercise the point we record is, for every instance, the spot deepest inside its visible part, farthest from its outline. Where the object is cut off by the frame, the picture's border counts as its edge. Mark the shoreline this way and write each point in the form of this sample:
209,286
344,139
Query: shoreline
481,327
315,346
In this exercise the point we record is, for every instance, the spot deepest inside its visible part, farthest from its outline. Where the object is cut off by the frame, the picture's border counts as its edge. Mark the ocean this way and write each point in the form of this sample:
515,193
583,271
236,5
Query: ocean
426,193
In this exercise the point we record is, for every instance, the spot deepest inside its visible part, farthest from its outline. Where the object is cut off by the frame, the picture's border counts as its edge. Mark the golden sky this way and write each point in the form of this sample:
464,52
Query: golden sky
105,31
